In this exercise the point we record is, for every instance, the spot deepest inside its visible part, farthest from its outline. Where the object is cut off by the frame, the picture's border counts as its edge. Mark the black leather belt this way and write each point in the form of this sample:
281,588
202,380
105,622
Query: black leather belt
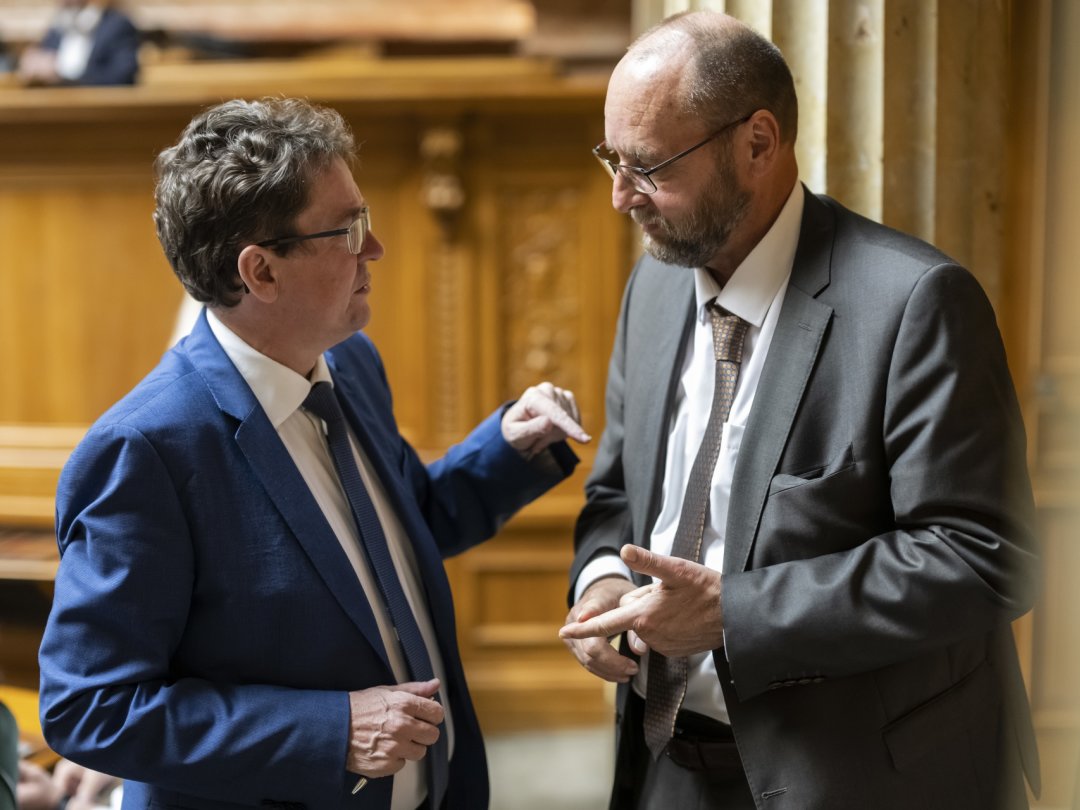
701,743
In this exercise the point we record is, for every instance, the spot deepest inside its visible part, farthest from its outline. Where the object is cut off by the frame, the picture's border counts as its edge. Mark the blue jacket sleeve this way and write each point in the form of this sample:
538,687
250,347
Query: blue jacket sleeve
110,697
468,495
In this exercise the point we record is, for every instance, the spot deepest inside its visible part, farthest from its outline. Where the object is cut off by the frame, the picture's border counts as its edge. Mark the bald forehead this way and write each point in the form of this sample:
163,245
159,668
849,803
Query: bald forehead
646,86
668,51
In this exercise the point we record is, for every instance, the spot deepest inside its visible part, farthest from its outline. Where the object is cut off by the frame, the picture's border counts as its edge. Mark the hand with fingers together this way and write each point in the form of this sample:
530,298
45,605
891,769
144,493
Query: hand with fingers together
679,615
391,725
596,653
544,414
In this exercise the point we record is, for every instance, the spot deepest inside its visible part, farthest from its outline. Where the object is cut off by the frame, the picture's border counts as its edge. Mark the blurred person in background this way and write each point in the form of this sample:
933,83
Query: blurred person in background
68,787
9,758
25,785
88,43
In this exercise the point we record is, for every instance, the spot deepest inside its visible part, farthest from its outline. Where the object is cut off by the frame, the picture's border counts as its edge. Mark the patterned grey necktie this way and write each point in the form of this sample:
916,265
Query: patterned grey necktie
667,676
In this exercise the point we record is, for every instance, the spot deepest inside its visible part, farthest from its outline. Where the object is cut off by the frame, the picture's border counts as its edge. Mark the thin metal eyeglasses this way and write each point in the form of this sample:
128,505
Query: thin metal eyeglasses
641,179
356,232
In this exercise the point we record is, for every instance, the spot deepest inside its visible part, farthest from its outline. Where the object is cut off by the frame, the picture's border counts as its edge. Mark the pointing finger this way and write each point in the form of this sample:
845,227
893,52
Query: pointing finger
561,419
664,568
605,625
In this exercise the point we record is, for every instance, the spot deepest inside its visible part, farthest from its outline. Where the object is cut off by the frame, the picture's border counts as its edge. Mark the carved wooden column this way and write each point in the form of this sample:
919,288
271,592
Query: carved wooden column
443,195
540,304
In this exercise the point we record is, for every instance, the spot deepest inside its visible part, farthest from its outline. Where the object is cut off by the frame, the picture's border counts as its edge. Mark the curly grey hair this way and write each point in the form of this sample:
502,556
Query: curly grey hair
239,174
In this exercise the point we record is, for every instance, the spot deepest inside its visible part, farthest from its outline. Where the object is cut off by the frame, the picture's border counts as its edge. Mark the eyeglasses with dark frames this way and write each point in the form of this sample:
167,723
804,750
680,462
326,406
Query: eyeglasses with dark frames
356,232
640,178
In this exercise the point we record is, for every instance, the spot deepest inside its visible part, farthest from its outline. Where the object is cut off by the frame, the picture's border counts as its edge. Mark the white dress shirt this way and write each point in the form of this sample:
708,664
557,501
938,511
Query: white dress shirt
76,40
755,292
281,392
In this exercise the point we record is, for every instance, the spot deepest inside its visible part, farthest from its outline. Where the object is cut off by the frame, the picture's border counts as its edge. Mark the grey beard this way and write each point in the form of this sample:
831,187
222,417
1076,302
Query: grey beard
682,253
706,232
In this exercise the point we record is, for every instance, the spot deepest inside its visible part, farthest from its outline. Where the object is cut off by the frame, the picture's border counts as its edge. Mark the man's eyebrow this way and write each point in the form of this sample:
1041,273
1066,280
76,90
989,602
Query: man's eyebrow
641,156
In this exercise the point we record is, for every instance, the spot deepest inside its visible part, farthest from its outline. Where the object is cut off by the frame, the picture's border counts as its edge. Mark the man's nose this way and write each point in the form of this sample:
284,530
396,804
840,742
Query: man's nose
372,249
624,196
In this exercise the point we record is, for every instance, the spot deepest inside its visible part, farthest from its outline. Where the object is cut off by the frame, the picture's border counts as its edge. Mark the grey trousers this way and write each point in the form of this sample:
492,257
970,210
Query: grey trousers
700,770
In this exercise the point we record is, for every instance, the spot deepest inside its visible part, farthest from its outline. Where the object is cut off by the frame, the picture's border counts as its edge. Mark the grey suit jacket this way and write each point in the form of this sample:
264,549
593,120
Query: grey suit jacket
9,758
880,536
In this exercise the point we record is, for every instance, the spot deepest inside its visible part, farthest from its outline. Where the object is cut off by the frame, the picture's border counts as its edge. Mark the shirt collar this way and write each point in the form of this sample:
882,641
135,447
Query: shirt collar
279,389
82,20
754,284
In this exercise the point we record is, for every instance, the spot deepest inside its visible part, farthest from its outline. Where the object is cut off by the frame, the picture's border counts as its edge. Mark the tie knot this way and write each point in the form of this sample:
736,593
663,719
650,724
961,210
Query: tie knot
728,333
322,402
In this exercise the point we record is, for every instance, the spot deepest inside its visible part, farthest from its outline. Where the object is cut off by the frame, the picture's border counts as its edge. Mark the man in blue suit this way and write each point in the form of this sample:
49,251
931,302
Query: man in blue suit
88,43
220,636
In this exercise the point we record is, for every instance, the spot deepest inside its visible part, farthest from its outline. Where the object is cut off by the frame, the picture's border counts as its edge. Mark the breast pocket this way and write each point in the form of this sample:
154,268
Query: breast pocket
843,462
819,510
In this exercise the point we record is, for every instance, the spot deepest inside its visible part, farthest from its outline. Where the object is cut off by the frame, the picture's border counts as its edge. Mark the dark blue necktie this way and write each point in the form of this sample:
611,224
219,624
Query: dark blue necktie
323,403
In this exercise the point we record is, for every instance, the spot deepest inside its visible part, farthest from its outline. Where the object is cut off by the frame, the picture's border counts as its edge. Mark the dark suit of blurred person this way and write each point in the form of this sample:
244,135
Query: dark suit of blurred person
87,44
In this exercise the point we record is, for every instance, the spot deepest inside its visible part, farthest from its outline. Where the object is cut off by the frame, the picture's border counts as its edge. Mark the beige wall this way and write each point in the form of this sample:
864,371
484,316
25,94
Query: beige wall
1045,291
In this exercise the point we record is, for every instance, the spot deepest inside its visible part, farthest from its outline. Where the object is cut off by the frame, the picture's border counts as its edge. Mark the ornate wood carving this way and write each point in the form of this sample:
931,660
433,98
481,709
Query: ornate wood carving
540,307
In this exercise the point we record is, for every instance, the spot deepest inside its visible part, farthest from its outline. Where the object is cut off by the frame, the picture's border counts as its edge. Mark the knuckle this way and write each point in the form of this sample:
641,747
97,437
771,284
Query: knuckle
643,625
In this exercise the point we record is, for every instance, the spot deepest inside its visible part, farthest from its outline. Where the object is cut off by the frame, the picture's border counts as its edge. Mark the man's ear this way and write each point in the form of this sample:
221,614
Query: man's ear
256,266
764,141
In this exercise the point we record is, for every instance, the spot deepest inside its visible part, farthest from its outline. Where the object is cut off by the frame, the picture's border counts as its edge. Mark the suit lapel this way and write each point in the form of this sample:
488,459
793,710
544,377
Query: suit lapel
793,352
286,488
664,346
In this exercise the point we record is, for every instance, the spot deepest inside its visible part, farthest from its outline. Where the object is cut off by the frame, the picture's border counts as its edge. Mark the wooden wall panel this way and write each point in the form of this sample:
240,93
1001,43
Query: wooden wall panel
78,262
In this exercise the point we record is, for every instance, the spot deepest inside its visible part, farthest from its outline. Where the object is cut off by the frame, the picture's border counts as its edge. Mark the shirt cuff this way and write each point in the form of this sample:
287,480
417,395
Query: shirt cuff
605,564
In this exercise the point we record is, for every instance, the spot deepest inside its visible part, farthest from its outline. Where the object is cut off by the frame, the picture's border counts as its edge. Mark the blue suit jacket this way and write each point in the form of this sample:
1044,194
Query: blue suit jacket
114,55
207,625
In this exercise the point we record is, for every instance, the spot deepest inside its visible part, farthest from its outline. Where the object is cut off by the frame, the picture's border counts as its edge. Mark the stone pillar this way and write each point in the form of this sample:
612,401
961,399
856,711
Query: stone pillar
910,116
855,104
758,14
801,31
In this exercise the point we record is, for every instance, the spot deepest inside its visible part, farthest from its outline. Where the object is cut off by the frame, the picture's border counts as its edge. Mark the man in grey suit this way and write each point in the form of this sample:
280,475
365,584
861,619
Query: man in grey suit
815,607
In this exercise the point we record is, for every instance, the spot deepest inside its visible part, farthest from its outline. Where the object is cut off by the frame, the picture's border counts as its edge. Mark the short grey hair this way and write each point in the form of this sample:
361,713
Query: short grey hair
240,174
735,70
